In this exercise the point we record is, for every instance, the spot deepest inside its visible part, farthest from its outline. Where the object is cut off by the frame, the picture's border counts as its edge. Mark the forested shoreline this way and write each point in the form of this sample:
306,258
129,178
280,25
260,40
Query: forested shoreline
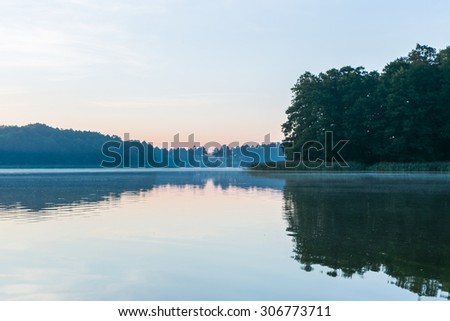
401,115
39,145
394,120
42,146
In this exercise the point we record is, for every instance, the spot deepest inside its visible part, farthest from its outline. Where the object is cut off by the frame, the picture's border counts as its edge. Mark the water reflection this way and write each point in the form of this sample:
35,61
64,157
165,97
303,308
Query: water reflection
354,224
35,195
346,224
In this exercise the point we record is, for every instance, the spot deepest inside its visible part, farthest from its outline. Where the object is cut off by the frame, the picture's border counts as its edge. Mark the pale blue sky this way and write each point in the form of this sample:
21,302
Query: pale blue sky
220,69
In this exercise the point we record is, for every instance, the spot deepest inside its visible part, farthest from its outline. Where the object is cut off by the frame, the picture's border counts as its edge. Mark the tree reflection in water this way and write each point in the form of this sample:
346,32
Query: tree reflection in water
349,223
355,224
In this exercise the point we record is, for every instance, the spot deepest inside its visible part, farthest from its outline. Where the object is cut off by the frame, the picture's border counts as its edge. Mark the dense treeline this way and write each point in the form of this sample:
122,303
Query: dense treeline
141,154
399,115
39,145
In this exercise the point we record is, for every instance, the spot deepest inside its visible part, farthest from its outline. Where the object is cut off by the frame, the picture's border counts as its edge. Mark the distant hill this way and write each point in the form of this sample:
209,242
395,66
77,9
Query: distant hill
39,145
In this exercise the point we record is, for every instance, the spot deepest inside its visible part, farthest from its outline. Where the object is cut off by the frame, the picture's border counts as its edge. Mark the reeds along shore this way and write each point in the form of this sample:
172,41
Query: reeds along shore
352,166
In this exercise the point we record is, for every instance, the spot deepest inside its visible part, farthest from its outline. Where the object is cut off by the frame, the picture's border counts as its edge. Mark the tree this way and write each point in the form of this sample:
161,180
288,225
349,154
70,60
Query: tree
402,114
409,95
336,101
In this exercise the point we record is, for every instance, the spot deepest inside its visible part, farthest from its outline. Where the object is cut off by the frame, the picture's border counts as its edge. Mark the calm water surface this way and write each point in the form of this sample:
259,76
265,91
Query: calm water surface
223,235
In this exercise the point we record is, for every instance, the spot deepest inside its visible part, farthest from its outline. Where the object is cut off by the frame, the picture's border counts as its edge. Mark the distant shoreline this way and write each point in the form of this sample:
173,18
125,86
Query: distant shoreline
438,167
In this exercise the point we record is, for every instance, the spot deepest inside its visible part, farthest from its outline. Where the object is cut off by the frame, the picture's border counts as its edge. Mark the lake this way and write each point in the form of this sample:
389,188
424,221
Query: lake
223,235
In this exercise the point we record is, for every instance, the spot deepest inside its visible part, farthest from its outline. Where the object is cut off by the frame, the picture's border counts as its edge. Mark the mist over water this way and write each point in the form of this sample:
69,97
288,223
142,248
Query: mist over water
225,235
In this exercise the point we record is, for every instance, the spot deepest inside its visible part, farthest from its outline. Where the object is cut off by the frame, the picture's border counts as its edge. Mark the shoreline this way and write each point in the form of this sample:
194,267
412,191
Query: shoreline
284,167
382,167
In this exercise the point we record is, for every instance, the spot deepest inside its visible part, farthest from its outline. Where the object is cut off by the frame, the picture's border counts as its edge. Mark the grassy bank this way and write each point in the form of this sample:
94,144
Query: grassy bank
378,167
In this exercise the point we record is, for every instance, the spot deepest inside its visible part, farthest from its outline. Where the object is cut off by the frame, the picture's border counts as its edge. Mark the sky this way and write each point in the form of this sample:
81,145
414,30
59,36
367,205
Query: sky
221,70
